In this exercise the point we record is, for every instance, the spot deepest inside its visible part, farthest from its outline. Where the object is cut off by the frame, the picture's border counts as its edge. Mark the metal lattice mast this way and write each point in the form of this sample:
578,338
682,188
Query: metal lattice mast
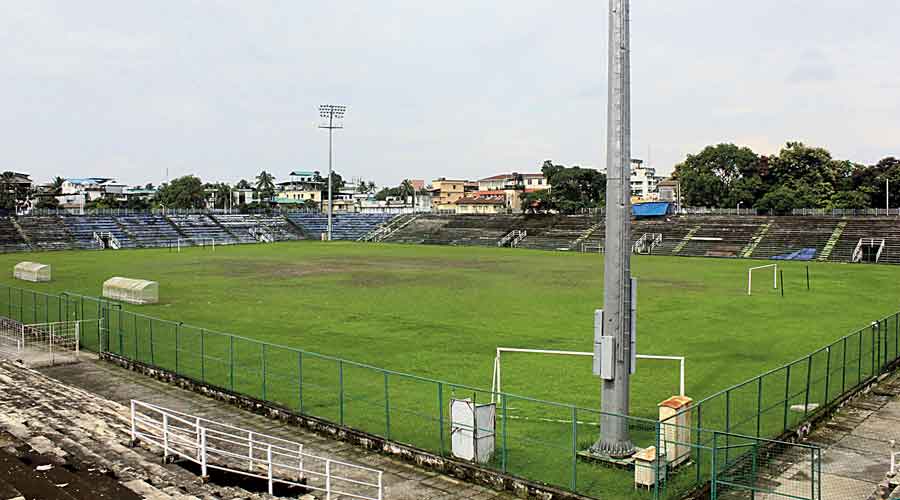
615,440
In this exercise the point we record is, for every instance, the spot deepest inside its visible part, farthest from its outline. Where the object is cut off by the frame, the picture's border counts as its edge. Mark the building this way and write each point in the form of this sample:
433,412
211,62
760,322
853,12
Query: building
643,181
302,186
445,192
77,192
489,205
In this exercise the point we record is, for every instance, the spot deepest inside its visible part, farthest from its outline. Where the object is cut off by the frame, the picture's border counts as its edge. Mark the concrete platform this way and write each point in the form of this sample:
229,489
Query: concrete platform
402,481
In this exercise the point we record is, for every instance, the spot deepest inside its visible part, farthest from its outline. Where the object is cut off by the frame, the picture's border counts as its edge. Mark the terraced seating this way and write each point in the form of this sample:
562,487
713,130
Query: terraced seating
419,229
473,230
245,226
10,239
884,228
344,226
554,232
83,227
791,234
46,233
82,443
199,227
150,230
721,236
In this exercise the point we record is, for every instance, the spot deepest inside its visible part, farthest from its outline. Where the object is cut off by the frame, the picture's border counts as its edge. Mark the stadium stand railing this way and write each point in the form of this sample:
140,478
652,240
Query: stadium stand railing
83,227
539,440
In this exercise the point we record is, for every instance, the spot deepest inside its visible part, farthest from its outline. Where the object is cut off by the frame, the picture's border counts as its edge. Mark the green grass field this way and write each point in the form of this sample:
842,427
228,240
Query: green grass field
440,312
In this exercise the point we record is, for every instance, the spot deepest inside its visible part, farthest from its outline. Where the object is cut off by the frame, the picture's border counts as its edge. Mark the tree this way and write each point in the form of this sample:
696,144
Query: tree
721,176
56,185
12,194
337,183
183,192
572,190
407,190
386,193
243,184
265,184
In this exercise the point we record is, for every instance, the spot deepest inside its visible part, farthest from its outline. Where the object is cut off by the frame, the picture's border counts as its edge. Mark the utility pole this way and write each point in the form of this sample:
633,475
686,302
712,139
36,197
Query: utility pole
615,348
333,114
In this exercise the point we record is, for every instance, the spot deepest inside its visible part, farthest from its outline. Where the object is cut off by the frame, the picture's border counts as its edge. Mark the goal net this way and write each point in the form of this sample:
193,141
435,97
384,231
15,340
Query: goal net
762,269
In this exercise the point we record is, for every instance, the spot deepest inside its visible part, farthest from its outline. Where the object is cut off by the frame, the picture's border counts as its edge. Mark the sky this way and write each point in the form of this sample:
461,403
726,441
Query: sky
145,91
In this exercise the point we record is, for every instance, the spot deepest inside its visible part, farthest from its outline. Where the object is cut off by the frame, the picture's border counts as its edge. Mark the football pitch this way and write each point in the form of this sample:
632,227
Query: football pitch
441,312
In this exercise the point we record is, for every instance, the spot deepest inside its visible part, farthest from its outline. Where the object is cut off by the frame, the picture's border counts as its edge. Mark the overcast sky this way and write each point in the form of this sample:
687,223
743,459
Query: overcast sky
466,88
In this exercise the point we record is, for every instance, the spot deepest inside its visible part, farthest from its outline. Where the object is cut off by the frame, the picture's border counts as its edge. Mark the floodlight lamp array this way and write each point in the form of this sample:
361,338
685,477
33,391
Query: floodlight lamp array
332,111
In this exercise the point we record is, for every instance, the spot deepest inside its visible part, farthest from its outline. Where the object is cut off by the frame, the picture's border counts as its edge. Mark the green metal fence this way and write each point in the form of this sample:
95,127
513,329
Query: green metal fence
539,440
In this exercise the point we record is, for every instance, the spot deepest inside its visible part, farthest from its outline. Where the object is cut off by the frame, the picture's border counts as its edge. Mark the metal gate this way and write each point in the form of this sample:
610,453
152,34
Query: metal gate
761,469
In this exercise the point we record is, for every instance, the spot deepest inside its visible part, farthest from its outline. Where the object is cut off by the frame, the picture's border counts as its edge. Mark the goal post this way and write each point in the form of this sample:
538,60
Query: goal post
497,377
774,268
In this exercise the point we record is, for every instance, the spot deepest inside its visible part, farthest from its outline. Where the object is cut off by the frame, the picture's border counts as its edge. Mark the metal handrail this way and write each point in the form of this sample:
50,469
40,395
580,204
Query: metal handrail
202,441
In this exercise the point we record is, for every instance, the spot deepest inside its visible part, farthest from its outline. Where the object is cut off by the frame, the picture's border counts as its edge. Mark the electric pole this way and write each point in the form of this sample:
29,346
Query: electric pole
333,114
616,332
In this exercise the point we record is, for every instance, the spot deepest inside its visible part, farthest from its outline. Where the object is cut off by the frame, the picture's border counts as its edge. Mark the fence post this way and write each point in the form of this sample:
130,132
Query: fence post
759,398
250,448
269,461
504,455
827,376
327,479
137,339
231,361
387,408
203,471
574,486
657,480
341,390
165,420
133,427
699,440
152,356
873,350
844,368
380,486
753,469
714,479
177,342
262,354
808,384
859,359
787,396
300,379
440,395
202,355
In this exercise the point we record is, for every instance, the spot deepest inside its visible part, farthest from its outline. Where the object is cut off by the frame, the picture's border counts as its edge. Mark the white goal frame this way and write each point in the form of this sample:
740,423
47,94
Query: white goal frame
496,379
750,277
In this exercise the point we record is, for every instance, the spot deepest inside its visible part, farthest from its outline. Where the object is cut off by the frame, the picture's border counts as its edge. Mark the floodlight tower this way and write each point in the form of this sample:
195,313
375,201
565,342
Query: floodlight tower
334,114
616,326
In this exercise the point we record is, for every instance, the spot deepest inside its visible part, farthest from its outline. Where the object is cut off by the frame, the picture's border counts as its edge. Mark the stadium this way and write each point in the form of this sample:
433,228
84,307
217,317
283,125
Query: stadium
379,333
589,330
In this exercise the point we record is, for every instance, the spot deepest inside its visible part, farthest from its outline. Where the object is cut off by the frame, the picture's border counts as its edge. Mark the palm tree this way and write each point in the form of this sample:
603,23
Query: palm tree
57,185
265,184
407,189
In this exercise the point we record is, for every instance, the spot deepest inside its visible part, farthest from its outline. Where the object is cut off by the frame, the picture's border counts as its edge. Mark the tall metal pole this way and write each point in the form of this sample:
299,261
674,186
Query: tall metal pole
330,149
615,440
330,112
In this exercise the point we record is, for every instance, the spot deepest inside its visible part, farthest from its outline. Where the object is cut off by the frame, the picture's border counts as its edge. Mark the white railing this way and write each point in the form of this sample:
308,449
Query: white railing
859,253
647,242
513,238
214,445
394,225
895,455
107,239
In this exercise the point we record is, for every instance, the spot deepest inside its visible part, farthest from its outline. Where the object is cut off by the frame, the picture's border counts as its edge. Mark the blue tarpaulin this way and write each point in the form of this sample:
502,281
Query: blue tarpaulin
652,209
804,254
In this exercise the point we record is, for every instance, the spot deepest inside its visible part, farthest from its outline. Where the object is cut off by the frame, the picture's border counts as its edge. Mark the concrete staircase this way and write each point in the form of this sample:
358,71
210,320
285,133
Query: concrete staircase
75,445
832,241
747,252
687,239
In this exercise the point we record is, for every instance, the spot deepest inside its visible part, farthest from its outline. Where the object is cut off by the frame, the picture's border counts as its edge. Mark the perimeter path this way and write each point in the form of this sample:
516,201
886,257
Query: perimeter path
856,442
402,481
